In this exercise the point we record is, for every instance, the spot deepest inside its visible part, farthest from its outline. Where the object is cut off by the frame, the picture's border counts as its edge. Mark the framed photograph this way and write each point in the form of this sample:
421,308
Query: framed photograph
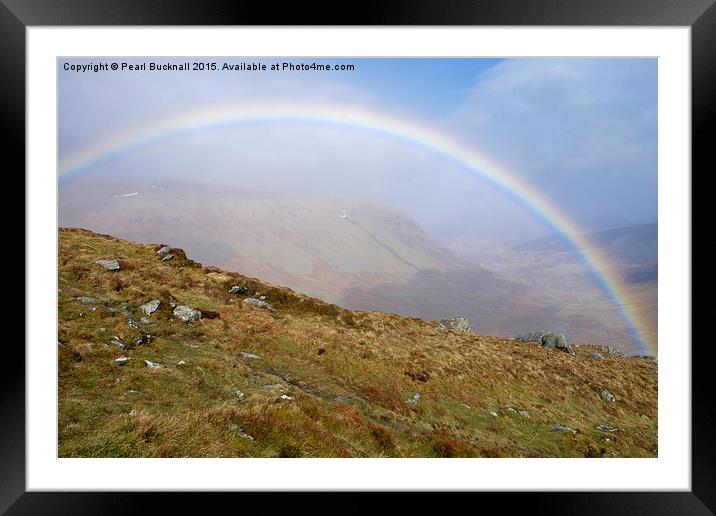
432,250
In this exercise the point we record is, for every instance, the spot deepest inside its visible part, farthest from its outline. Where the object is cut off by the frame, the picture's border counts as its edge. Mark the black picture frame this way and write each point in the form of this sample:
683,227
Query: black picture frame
16,15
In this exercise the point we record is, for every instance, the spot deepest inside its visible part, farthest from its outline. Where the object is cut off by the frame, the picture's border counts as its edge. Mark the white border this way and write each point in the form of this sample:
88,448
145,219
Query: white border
671,470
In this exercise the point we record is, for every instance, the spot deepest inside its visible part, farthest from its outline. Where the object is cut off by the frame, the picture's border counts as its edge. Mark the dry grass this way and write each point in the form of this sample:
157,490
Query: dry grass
191,410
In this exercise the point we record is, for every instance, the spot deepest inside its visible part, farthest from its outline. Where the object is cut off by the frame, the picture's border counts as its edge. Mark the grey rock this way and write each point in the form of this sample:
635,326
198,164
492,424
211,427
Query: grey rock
607,428
132,323
596,356
164,250
547,339
86,300
239,394
239,290
121,360
458,324
343,399
415,399
150,307
607,396
110,265
258,303
187,314
493,413
250,356
181,363
146,321
167,257
116,341
562,428
285,397
153,365
524,414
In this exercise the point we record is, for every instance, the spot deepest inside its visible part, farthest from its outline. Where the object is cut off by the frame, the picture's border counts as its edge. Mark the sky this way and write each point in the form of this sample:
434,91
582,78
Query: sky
581,131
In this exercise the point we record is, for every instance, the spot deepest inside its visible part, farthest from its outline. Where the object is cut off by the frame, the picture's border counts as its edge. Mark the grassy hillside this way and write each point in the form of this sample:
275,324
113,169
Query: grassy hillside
328,383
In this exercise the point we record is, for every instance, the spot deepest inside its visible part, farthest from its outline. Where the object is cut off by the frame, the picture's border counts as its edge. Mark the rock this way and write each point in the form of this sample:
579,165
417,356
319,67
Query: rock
607,396
153,365
284,397
493,413
524,414
415,399
250,356
596,356
562,428
110,265
181,363
607,428
116,341
146,321
548,339
164,250
239,290
459,324
258,303
121,360
187,314
421,376
132,323
167,257
343,399
150,307
86,300
239,394
262,298
59,344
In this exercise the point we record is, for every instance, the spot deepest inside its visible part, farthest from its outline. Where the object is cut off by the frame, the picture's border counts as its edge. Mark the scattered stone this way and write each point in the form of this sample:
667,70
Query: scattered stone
167,257
187,314
146,321
524,414
596,356
493,413
258,303
285,397
150,307
250,356
607,396
241,433
86,300
152,365
103,329
132,323
458,324
239,290
164,250
121,360
239,394
607,428
343,399
181,363
510,409
415,399
420,376
132,413
562,428
262,298
117,342
110,265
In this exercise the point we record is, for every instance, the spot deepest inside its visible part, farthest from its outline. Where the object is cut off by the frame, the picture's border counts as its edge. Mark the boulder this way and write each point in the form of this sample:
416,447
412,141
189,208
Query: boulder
250,356
547,339
186,313
259,303
607,396
459,324
415,399
164,250
110,265
596,356
150,307
239,290
167,257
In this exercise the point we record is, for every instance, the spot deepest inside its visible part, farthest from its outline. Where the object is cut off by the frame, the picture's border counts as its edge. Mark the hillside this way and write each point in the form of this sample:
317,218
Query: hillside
309,379
359,255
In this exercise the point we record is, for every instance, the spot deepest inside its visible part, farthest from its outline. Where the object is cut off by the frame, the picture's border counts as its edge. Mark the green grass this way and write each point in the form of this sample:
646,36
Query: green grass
107,410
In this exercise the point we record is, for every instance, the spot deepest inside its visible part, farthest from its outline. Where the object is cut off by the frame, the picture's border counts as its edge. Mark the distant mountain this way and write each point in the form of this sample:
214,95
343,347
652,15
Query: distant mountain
360,255
634,250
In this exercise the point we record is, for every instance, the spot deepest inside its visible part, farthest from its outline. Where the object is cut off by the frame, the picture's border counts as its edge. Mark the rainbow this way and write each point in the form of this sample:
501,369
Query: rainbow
413,133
